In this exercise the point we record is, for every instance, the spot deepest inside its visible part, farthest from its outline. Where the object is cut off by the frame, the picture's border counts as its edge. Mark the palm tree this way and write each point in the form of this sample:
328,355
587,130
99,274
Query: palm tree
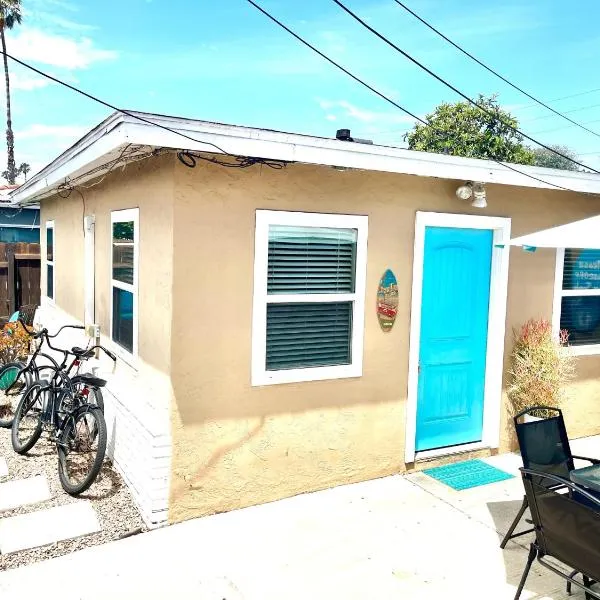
23,169
10,15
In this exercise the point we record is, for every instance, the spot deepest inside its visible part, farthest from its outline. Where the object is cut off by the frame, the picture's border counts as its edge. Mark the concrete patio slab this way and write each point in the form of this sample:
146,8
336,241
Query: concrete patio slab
47,526
3,467
21,492
384,539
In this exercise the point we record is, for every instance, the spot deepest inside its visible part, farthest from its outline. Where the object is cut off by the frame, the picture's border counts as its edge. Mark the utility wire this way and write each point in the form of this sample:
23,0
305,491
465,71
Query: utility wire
386,98
357,79
563,98
563,127
108,104
492,71
572,110
455,89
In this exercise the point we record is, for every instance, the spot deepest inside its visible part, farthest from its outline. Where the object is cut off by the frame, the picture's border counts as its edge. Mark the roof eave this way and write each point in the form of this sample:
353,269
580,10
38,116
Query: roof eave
119,130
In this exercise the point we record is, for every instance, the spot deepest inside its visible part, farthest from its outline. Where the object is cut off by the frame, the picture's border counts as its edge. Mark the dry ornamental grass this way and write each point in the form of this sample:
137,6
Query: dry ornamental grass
542,367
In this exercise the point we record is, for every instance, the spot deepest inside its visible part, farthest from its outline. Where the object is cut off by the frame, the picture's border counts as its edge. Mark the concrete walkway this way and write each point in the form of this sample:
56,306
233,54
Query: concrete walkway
393,538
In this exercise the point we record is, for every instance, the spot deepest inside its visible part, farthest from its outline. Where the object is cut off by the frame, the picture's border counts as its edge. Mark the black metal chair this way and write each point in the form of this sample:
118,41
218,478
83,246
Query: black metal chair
567,528
544,446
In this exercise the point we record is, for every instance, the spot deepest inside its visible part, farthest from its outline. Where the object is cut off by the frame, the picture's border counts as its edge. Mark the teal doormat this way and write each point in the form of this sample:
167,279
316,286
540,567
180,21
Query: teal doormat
468,474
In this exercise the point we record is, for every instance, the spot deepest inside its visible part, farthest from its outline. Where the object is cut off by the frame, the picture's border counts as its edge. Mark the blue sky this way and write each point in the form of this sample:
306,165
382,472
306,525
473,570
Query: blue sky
224,61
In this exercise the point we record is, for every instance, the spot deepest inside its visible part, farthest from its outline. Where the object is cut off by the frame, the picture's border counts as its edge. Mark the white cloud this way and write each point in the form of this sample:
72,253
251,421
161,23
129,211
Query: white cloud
331,118
39,130
64,23
349,110
23,82
60,51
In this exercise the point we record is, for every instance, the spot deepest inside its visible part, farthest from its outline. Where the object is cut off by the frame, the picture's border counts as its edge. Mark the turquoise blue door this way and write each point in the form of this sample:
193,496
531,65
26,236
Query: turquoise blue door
454,322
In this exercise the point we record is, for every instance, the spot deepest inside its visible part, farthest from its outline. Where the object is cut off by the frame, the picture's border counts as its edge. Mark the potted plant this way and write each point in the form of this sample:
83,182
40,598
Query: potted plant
542,367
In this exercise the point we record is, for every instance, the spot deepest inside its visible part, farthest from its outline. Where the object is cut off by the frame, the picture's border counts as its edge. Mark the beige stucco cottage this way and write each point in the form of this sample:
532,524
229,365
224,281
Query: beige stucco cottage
243,303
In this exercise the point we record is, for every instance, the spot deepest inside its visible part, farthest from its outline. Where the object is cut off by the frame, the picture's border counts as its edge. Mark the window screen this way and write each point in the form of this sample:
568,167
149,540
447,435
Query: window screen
580,304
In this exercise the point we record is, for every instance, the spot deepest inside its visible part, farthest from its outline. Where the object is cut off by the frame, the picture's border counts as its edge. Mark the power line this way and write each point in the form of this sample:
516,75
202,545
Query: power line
386,98
564,127
357,79
455,89
564,98
108,104
578,109
488,68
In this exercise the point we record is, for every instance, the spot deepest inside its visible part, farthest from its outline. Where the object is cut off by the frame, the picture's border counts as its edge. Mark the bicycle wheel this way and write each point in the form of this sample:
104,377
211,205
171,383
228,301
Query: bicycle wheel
12,387
81,449
27,424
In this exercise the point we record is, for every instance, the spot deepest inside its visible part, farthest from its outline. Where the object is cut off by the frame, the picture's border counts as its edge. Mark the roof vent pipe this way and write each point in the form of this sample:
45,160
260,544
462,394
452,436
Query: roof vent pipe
344,136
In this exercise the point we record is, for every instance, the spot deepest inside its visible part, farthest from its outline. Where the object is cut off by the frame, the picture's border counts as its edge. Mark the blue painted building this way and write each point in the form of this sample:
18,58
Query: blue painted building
18,224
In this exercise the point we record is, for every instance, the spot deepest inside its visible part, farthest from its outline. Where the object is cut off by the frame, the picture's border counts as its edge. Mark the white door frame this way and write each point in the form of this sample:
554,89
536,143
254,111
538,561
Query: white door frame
496,327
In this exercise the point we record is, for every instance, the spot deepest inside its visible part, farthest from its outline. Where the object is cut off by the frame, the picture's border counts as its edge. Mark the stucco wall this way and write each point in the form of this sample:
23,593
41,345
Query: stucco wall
138,395
235,445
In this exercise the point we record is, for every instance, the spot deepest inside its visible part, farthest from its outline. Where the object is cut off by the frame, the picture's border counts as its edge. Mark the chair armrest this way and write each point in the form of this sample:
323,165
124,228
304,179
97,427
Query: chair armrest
594,461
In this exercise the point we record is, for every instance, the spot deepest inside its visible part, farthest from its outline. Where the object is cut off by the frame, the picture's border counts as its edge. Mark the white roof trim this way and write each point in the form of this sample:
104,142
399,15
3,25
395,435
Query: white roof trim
580,234
105,141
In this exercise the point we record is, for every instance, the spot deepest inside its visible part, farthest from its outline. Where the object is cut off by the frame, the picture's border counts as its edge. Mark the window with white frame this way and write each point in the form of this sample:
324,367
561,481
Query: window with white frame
124,278
577,301
309,292
50,259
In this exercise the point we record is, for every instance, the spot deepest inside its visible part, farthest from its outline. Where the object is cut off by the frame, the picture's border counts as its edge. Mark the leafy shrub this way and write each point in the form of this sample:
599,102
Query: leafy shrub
542,366
14,343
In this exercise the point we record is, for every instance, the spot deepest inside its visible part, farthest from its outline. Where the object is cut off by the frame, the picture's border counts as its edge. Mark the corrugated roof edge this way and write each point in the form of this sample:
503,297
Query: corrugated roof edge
118,130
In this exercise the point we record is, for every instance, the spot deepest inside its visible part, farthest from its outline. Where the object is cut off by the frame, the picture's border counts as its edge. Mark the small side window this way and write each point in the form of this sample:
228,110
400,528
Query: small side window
50,274
124,279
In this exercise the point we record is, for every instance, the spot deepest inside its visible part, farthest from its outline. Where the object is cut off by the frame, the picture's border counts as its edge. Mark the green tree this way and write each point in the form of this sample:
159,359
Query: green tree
461,129
10,15
23,169
545,158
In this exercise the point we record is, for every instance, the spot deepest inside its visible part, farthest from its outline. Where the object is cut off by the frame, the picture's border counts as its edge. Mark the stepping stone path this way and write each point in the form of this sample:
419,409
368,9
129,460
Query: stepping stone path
20,492
47,526
39,527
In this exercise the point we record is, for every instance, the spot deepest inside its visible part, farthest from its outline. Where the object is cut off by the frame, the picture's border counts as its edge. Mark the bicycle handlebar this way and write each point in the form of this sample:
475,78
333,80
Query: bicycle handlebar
106,351
31,332
66,327
44,333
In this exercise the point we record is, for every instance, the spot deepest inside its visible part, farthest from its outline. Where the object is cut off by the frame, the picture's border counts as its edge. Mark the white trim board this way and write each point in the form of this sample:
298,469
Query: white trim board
50,263
496,323
122,216
265,218
105,142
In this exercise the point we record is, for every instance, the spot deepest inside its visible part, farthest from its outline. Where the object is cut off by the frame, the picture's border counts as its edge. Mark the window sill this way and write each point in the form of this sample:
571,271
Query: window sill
47,301
131,360
305,375
589,350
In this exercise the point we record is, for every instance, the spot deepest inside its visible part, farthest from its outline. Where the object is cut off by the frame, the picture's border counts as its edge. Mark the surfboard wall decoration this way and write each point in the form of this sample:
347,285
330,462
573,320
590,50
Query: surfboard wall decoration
387,300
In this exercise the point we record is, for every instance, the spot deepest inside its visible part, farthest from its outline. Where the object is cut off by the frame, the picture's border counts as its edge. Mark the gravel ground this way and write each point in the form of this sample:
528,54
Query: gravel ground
109,496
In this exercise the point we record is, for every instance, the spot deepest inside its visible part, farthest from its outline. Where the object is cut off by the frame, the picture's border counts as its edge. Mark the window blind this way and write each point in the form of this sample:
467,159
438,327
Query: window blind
311,334
311,260
580,315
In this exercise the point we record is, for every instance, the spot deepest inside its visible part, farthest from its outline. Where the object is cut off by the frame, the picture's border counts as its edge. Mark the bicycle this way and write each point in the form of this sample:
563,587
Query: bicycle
76,426
16,377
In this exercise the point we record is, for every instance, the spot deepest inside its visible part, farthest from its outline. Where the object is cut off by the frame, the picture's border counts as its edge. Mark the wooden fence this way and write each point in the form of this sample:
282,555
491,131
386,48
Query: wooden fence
19,277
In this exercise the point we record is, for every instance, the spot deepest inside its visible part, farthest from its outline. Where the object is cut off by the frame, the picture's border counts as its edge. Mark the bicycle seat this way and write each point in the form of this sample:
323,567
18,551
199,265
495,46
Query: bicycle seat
89,379
82,352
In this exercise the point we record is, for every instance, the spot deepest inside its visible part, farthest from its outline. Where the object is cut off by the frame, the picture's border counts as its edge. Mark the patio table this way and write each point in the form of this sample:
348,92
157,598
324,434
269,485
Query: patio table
588,477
